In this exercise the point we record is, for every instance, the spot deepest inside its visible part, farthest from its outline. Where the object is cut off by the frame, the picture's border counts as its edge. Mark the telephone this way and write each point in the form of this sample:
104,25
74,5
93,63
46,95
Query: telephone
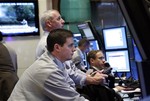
107,70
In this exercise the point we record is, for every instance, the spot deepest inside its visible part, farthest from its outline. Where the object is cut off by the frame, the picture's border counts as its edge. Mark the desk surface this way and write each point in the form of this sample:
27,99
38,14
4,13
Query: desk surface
137,90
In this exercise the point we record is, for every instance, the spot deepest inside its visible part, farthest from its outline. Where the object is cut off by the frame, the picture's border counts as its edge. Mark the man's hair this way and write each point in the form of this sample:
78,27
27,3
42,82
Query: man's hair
83,41
47,15
58,36
92,54
1,36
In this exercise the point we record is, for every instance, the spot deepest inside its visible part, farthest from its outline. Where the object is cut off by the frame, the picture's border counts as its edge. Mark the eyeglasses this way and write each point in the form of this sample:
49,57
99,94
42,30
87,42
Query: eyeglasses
102,58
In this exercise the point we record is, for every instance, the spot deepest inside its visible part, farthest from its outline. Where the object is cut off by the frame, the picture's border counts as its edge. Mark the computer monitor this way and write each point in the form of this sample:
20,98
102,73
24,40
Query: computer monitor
94,45
77,37
114,38
118,60
86,30
19,17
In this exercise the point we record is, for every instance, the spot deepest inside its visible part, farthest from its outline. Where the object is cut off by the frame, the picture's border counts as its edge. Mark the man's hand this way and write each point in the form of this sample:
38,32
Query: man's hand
96,79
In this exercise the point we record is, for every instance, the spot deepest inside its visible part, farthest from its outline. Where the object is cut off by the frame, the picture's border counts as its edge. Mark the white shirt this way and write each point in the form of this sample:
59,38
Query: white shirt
41,47
78,56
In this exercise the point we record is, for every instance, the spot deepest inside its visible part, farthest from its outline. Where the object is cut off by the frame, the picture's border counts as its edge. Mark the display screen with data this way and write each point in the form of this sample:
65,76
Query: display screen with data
114,38
86,30
118,60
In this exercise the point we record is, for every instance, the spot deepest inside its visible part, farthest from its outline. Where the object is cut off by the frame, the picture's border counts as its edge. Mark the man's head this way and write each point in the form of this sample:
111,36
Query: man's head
1,36
84,45
96,58
60,44
51,20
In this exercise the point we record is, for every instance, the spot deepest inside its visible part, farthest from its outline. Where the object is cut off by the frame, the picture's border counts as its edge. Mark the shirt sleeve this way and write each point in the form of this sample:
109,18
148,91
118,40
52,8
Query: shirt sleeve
76,74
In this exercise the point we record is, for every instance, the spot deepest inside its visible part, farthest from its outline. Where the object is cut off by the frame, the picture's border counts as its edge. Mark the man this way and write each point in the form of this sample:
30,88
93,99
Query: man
80,53
47,78
50,20
97,61
8,70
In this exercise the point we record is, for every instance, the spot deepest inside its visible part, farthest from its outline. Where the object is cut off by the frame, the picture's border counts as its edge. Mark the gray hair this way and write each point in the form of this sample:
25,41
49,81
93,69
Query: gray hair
47,15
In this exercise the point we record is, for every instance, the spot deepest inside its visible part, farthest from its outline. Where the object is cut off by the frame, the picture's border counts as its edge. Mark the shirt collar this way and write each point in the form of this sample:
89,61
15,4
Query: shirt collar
95,68
57,62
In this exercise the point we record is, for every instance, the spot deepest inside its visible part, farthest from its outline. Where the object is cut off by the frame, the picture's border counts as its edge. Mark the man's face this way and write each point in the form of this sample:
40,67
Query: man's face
99,60
67,49
57,21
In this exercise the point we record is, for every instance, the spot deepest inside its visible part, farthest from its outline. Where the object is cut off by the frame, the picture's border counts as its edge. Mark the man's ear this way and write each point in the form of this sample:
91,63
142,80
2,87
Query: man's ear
91,60
57,47
49,23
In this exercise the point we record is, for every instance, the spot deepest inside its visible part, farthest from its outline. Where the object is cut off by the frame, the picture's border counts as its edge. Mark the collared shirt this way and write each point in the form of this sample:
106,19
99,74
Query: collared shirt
62,66
76,74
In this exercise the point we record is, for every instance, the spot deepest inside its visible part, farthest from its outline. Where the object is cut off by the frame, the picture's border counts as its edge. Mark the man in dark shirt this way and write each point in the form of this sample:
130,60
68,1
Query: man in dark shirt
8,70
97,62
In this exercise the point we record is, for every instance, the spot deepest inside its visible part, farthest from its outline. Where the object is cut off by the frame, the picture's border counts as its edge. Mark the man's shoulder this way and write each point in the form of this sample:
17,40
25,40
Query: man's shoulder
42,40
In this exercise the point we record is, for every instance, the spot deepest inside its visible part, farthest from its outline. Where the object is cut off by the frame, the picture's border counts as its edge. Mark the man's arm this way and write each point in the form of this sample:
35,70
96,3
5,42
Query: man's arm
98,78
81,78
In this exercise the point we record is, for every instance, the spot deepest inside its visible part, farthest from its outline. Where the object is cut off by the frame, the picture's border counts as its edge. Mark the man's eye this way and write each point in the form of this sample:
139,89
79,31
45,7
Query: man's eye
58,18
101,58
72,45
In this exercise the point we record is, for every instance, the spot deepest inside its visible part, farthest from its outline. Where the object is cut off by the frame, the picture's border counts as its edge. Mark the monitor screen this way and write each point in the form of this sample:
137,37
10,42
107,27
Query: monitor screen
114,38
18,18
86,30
94,45
76,38
118,60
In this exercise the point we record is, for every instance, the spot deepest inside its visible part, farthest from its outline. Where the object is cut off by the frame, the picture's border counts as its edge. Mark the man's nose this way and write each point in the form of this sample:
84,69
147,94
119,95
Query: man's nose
62,20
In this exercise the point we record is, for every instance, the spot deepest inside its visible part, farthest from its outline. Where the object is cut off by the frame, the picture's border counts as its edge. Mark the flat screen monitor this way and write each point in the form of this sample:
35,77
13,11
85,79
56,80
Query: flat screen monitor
86,31
94,45
119,60
114,38
77,37
19,17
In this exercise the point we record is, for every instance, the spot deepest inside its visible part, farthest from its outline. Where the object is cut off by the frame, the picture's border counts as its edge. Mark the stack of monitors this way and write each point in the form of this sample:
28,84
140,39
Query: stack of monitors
116,48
